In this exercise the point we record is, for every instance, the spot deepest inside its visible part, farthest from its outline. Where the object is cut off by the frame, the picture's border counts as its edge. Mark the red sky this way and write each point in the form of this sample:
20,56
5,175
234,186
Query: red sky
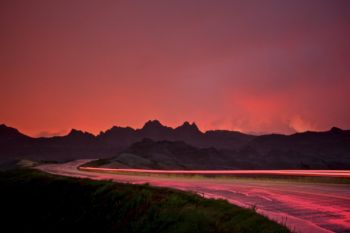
253,66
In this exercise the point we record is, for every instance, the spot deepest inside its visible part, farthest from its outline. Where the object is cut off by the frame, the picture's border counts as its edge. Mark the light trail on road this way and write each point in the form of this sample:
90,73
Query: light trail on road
319,173
305,207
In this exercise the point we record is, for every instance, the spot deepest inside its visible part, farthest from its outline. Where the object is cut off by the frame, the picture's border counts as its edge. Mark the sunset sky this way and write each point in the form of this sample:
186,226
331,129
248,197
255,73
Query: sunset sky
253,66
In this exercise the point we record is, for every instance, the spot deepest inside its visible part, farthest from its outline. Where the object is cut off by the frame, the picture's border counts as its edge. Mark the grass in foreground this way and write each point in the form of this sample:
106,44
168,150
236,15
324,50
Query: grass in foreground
38,202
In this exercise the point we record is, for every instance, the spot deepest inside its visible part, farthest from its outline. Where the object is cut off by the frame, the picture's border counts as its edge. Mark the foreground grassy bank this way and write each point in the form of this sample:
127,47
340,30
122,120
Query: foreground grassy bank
38,202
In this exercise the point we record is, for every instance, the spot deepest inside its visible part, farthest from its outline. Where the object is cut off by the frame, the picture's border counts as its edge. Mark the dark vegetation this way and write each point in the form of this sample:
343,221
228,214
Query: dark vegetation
32,201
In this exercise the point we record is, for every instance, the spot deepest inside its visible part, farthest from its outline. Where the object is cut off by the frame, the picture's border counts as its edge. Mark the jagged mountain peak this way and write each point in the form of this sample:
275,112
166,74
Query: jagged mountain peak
5,127
152,124
75,132
187,127
336,130
7,131
79,133
116,129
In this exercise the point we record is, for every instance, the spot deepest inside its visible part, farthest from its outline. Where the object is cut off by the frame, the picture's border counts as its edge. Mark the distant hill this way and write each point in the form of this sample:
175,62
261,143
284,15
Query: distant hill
186,147
170,155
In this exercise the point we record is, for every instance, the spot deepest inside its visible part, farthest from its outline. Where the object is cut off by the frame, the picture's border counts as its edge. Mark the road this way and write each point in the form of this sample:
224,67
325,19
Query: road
304,207
318,173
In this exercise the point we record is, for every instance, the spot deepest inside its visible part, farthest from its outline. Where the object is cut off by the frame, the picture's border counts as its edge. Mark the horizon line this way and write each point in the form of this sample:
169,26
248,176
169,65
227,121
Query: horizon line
193,124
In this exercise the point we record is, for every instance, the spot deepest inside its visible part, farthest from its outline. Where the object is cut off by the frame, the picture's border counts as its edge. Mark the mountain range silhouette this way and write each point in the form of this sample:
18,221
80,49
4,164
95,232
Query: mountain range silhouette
219,148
